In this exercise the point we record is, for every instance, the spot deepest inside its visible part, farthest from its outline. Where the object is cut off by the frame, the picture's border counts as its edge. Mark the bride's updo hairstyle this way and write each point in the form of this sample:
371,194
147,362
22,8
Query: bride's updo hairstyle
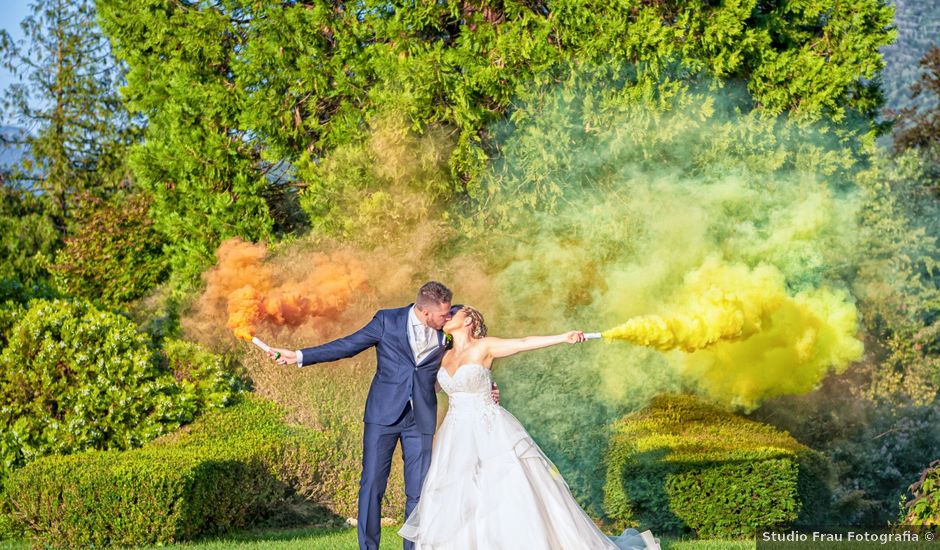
478,327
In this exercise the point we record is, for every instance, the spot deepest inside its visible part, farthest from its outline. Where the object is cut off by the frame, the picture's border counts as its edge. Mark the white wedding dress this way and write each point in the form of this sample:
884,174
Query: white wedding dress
490,487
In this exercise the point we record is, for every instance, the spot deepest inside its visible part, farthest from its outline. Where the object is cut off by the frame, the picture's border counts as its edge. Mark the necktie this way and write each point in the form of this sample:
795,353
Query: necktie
421,338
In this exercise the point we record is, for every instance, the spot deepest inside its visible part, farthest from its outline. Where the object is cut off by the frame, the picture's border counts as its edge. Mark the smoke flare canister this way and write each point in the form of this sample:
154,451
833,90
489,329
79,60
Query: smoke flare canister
592,335
260,344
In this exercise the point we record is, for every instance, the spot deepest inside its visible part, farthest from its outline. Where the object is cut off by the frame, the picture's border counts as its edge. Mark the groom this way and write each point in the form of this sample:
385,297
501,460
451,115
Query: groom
402,403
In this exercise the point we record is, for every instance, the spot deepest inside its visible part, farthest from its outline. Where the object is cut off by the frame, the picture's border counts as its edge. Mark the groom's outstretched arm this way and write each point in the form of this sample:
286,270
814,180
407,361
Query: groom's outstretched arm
341,348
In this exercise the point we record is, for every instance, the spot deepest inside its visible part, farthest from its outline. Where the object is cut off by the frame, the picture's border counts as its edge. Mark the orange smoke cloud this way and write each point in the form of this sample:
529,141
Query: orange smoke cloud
255,294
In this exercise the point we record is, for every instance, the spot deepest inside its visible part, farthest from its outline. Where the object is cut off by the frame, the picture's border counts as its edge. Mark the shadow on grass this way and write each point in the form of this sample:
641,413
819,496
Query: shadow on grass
308,538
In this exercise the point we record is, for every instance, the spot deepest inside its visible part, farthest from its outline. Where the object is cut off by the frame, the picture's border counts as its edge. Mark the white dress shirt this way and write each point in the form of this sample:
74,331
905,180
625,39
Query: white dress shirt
423,339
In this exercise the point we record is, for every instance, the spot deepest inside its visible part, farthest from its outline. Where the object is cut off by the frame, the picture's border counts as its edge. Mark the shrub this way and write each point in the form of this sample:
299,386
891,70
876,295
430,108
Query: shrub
331,398
223,472
74,378
924,507
211,380
28,237
683,465
876,447
115,254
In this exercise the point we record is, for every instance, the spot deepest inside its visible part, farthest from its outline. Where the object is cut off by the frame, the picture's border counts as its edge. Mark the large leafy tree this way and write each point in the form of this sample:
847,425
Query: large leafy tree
200,162
232,88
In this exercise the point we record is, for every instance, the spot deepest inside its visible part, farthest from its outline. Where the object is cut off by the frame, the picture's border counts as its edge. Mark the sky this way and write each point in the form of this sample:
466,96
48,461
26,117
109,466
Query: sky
12,12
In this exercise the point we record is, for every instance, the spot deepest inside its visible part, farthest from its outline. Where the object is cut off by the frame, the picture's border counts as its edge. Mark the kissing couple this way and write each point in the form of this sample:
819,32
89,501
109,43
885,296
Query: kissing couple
485,484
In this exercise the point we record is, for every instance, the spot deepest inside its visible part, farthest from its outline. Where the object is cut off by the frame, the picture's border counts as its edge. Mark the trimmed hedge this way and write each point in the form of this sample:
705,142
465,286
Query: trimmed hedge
683,465
229,469
75,378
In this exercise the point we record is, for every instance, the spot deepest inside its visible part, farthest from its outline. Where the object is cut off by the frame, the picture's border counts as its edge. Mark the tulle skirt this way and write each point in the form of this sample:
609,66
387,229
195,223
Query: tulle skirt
489,486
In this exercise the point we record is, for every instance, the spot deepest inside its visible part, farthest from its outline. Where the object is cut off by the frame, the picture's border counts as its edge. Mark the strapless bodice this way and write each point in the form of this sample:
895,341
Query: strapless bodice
468,394
470,378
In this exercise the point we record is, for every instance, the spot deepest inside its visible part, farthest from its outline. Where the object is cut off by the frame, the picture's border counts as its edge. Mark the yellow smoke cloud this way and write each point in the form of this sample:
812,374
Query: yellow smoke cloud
746,338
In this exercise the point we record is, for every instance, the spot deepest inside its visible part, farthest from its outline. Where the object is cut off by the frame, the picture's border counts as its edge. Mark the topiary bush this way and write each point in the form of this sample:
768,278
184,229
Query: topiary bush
73,378
924,506
682,465
225,471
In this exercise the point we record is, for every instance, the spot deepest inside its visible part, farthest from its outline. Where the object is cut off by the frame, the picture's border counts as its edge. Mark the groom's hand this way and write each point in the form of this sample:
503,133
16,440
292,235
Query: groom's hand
494,391
283,356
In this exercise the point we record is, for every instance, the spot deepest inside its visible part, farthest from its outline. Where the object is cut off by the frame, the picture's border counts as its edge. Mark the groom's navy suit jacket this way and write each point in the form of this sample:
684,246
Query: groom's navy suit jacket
397,377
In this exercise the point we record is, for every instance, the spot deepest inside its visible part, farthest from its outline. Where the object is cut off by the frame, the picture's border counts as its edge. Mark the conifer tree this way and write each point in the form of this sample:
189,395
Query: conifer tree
65,98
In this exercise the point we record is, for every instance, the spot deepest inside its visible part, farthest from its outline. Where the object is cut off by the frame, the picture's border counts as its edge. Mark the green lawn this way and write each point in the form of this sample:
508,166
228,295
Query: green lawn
345,539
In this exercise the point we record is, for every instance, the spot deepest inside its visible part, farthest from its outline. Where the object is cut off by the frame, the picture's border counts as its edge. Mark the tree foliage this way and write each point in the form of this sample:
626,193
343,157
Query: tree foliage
901,303
73,133
28,239
899,283
918,127
232,88
876,446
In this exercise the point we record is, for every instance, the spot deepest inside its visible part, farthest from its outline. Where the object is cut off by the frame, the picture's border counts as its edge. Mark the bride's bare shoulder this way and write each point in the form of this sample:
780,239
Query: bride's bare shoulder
486,343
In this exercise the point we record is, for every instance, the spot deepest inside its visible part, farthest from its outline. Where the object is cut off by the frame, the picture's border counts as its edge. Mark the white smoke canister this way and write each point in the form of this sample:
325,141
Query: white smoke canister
256,341
267,349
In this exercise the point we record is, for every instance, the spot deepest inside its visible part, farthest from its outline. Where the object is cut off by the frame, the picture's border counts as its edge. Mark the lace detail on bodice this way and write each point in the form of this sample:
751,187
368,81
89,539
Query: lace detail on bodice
469,378
468,392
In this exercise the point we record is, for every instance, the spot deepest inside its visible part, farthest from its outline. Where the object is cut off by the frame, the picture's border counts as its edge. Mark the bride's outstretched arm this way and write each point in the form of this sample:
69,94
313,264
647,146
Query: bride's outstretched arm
504,347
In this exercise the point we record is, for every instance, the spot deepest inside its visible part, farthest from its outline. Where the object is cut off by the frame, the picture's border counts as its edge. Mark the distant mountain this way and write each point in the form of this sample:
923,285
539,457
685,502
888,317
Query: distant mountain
918,26
11,152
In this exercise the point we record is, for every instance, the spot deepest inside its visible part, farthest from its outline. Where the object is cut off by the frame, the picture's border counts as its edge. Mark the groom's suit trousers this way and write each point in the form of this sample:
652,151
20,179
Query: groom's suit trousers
378,444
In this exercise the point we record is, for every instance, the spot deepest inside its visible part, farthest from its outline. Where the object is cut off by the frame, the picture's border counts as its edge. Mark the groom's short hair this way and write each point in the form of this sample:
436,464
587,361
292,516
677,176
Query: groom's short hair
433,293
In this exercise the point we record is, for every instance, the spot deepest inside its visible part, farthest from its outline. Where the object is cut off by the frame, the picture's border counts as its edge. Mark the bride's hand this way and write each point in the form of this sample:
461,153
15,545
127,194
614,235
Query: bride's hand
574,336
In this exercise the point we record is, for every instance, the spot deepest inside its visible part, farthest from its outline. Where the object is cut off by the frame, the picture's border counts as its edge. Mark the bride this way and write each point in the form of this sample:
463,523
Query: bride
489,486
